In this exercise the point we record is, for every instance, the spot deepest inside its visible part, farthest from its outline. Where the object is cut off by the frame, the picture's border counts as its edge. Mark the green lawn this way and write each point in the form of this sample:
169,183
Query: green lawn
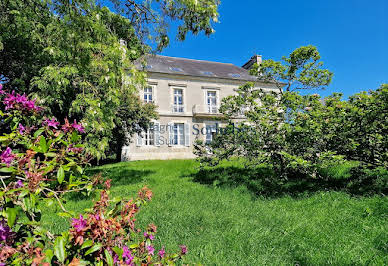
230,226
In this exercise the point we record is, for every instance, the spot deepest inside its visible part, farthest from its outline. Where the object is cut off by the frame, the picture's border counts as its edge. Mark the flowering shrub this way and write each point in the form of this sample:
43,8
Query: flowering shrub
107,236
41,160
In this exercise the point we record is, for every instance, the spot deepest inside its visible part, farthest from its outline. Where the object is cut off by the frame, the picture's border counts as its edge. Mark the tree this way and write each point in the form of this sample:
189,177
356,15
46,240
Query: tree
74,56
278,129
301,70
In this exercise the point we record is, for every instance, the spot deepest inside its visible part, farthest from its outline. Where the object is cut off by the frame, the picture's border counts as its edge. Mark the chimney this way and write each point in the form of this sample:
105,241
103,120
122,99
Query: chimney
256,59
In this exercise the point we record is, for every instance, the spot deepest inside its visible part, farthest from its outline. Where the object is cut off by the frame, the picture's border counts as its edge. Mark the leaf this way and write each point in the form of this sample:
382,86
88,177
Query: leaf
38,132
93,249
49,254
59,249
118,251
108,257
61,175
11,216
7,169
87,243
43,144
50,154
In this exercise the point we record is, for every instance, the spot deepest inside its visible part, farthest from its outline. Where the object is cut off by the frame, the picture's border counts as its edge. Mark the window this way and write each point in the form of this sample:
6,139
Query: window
148,91
149,138
234,75
179,134
211,100
178,101
211,131
207,73
176,69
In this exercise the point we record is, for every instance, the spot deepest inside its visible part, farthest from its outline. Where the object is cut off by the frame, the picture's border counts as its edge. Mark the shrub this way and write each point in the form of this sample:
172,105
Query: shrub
40,160
301,135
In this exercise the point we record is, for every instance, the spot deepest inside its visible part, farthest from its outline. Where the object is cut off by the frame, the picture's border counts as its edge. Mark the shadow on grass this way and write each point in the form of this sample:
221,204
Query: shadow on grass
262,181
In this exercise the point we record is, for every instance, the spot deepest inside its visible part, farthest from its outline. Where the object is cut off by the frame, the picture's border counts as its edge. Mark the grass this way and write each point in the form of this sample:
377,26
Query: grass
228,225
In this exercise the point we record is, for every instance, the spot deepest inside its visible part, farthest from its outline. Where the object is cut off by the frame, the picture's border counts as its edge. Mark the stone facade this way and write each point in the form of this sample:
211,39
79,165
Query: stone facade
188,110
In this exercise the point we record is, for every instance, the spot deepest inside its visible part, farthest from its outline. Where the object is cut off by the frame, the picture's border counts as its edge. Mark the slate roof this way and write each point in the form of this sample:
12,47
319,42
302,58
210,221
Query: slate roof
198,68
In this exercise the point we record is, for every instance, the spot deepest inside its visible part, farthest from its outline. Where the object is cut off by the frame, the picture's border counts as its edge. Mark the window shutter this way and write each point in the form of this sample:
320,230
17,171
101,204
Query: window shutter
139,140
157,133
170,134
187,134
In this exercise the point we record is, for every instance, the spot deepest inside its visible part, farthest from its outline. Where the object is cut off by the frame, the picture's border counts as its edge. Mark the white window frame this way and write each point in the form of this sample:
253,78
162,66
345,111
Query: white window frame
212,109
178,108
213,125
153,93
182,139
218,98
144,137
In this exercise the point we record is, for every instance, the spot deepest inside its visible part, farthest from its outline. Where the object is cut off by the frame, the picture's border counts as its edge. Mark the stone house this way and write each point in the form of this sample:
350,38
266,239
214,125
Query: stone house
188,94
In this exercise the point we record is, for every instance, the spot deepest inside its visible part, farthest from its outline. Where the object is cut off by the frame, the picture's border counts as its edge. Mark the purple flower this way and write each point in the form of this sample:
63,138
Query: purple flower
78,127
183,250
115,259
127,255
1,89
7,156
5,231
161,253
18,101
150,249
19,184
51,123
9,100
148,236
21,129
79,224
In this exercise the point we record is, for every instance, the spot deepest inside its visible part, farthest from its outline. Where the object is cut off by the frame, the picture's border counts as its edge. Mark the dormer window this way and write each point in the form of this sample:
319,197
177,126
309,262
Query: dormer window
176,69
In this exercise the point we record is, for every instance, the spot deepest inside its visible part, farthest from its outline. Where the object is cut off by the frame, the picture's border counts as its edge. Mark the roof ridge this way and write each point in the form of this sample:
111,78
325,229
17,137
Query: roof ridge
207,61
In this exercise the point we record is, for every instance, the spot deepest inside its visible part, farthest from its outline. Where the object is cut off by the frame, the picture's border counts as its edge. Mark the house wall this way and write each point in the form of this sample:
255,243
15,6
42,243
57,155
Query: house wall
194,93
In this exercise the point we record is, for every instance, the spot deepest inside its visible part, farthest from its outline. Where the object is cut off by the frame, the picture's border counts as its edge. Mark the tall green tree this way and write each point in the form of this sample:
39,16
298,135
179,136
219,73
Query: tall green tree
301,70
78,56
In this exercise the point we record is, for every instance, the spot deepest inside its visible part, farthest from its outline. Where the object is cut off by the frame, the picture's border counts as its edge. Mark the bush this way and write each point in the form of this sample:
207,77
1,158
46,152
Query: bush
300,136
40,161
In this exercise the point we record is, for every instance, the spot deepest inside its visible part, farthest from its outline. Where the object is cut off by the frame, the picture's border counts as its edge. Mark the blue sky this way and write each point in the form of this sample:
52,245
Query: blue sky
352,37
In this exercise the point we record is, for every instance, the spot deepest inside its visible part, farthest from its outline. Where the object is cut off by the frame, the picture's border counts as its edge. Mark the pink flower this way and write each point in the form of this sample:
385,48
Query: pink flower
19,184
183,249
150,249
5,232
127,255
7,156
9,100
17,101
79,224
51,123
21,129
1,89
78,127
148,236
161,253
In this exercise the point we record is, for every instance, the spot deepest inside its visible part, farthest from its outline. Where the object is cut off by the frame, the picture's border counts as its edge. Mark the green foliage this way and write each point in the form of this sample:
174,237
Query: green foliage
301,70
300,135
71,57
40,161
152,18
319,228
